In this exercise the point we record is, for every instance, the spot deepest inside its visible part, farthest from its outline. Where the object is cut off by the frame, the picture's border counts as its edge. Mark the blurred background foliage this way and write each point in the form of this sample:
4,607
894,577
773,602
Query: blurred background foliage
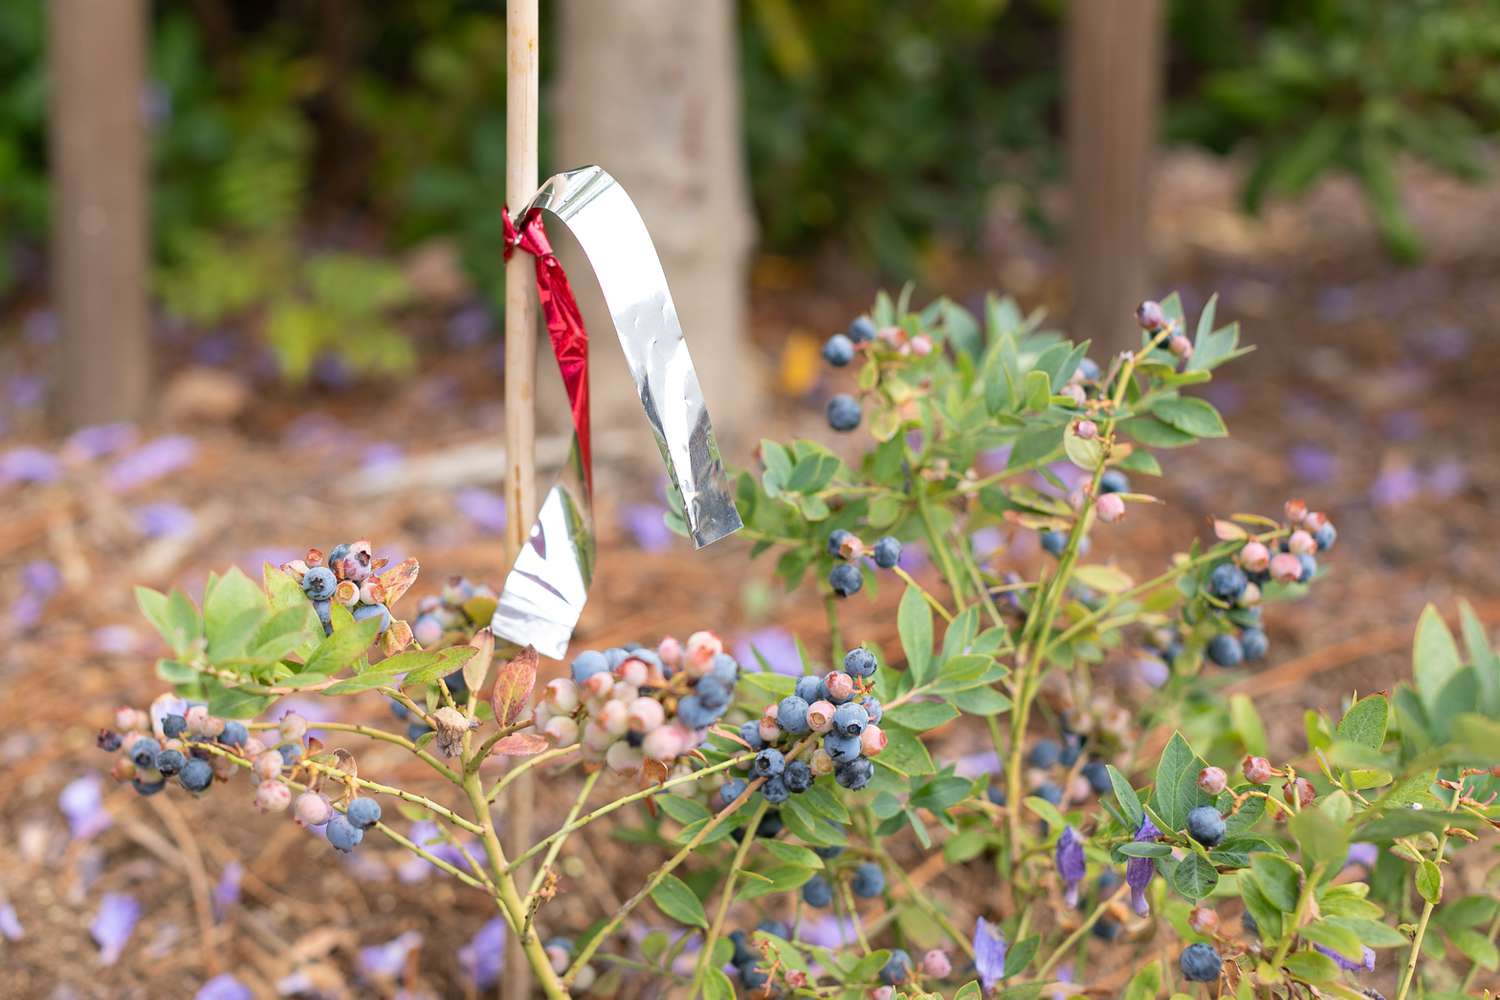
296,145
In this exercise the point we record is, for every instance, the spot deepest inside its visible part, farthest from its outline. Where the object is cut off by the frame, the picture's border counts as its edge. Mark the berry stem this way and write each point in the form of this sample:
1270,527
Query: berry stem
557,841
525,766
1078,933
384,736
922,902
1410,972
937,605
847,896
1304,900
479,756
726,896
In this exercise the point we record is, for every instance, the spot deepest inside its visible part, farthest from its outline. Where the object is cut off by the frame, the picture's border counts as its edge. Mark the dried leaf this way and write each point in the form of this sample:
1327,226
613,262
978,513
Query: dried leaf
520,745
396,638
514,682
1228,531
344,761
398,580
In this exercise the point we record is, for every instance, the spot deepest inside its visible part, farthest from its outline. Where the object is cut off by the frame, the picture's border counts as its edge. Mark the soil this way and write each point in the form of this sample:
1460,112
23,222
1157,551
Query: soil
1372,393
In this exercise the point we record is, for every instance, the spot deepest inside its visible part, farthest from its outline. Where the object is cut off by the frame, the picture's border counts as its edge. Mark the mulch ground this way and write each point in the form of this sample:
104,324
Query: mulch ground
1372,394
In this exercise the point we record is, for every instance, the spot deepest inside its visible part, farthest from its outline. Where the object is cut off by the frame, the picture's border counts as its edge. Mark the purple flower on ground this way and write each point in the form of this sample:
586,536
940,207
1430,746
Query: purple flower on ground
1313,464
645,523
224,987
986,542
1402,425
914,558
776,646
82,802
1070,864
29,465
1447,479
150,462
385,961
93,443
975,765
483,958
380,456
40,326
1362,853
10,924
113,924
227,892
990,462
26,612
827,932
1153,670
1138,871
1366,962
1444,343
470,326
989,953
27,391
1226,397
484,508
425,835
163,520
216,350
1396,485
41,578
254,561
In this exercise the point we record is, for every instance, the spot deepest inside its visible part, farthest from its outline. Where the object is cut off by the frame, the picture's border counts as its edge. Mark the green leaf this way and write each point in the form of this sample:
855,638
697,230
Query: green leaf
425,666
914,622
1331,935
1021,955
683,810
783,878
922,715
677,901
904,752
1365,722
1035,447
1370,932
343,647
1154,433
1486,663
1086,453
1434,656
1247,725
716,985
1145,983
1477,948
228,639
1130,803
1177,792
1429,881
1191,415
791,854
969,991
227,599
1278,880
1037,390
281,589
1105,579
1195,877
1312,967
1323,842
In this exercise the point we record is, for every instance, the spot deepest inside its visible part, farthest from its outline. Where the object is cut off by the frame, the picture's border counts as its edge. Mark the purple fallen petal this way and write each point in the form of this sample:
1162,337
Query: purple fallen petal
29,465
914,558
101,440
1313,464
386,961
10,924
470,326
776,646
382,455
26,612
113,924
40,326
484,508
1447,479
1366,962
1362,853
82,802
1402,425
27,391
163,520
116,640
1395,486
41,578
150,462
224,987
647,526
827,932
483,958
975,765
986,542
227,891
989,953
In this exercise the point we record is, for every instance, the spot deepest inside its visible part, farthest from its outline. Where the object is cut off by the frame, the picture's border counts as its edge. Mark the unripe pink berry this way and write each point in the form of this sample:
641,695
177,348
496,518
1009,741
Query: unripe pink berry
820,716
632,671
645,715
664,743
292,728
1285,568
1212,780
1087,430
253,748
268,765
599,686
1295,511
770,729
614,718
882,993
1180,346
127,718
820,762
795,978
872,740
372,591
427,630
670,651
1254,556
122,769
1300,792
1203,920
1257,770
583,981
1314,520
561,696
1301,543
1074,393
840,686
596,737
1150,316
921,345
213,727
129,739
624,693
937,964
562,730
1250,596
623,758
272,796
346,593
541,714
702,647
559,959
196,717
224,768
1110,508
312,809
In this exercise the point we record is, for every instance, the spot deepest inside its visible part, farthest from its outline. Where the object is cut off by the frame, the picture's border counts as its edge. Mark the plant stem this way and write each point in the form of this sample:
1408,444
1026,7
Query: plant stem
527,765
557,842
1410,973
939,552
1474,968
1078,933
489,743
937,605
1304,900
705,955
859,929
923,903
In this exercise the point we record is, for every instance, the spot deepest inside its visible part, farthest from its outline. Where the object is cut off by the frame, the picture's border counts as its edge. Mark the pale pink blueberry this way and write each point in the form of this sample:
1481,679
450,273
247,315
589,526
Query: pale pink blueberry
872,740
1255,556
1286,568
268,765
272,796
820,716
645,715
561,696
1110,508
561,730
1301,543
312,809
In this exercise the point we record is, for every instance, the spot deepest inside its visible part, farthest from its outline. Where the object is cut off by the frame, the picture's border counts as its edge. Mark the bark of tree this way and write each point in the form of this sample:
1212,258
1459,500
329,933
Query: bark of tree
100,248
1114,68
649,90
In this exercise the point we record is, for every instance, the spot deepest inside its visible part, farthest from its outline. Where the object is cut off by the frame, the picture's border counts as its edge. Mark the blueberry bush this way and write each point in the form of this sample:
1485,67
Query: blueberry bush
1119,845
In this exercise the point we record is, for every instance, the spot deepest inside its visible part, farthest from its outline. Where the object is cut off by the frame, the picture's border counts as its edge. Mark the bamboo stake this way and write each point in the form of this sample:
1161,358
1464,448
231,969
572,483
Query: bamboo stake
522,83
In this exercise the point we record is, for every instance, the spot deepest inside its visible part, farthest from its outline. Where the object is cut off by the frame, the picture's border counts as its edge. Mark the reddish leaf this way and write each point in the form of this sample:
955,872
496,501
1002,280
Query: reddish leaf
1228,531
478,666
521,745
513,684
398,580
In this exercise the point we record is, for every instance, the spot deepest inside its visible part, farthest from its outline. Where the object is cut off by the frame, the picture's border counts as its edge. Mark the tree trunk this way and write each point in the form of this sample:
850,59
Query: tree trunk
100,248
1114,66
649,90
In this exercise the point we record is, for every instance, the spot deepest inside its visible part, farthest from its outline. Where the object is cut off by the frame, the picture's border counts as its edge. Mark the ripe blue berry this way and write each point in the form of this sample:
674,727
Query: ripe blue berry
1049,792
290,752
810,688
817,892
872,709
1309,568
1044,754
850,719
791,715
196,775
1114,481
862,330
173,726
363,813
1089,369
144,786
843,412
743,955
770,825
325,615
1225,650
724,669
1107,929
1096,773
696,715
1325,536
838,351
731,790
798,777
750,733
713,692
995,794
1254,642
868,881
854,774
1205,825
775,791
416,730
1199,963
380,611
897,970
108,740
1055,541
1072,749
587,664
859,662
343,835
752,976
456,684
887,552
845,580
1227,582
143,752
234,735
828,853
836,539
319,583
768,763
775,928
841,748
170,761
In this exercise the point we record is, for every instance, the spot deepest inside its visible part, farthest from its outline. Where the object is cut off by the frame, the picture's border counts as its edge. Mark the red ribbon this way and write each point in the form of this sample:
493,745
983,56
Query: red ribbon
570,341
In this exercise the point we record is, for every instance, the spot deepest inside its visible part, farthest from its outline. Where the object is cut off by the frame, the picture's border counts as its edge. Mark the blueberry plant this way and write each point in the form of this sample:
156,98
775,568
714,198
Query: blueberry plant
1119,844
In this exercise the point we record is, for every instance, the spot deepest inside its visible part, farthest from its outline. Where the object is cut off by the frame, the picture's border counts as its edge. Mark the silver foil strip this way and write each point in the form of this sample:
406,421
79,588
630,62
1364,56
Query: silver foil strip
546,589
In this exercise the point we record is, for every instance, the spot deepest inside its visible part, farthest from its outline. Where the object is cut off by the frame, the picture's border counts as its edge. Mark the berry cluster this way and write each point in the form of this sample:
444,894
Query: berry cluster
844,411
846,546
454,615
1109,507
837,707
183,741
631,707
351,577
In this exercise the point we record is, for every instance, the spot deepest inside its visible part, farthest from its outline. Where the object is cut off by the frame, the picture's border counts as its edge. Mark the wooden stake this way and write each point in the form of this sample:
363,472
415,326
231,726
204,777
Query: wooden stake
100,252
522,84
